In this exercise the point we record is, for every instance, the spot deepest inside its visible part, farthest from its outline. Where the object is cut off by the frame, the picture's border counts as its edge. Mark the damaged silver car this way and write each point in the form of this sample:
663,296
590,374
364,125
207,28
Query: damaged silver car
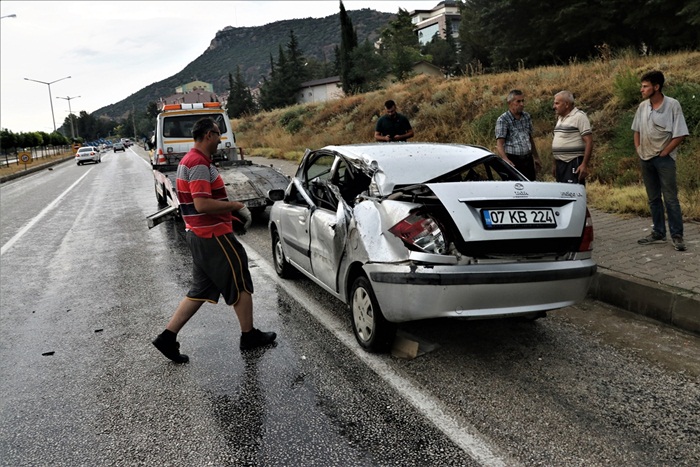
411,231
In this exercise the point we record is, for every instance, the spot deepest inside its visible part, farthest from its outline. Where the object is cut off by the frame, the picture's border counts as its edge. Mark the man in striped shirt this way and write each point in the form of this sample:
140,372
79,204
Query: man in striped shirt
573,141
220,263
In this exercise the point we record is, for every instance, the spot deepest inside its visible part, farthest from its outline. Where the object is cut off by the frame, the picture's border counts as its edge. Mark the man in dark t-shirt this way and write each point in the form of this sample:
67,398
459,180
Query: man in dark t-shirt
393,126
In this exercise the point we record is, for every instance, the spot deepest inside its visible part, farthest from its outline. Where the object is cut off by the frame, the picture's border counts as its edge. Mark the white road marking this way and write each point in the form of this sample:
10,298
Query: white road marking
43,212
459,432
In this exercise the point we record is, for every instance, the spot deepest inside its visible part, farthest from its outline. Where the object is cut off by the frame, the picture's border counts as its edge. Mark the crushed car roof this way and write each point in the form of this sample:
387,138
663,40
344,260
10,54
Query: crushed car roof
409,163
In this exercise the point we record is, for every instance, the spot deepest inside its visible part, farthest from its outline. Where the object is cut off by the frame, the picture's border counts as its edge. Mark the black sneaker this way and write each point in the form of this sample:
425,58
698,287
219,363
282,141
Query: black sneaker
256,338
678,243
170,348
653,237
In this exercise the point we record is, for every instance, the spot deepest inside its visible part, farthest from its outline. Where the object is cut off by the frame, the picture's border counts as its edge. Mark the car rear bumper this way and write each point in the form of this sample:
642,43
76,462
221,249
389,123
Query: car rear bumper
410,292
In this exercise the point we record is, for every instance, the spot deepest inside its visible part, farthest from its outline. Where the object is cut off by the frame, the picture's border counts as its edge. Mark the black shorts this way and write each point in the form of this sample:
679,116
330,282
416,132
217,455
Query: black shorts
220,268
565,171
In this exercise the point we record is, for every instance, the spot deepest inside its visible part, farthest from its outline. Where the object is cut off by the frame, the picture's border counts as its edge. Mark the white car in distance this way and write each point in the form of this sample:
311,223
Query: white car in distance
88,154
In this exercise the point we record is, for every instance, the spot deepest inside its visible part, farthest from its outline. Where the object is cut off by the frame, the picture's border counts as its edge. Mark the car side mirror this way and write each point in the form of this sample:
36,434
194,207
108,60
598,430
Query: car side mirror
276,194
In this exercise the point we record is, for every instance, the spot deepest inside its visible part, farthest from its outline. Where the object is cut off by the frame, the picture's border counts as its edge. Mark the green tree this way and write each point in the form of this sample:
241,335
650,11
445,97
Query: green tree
506,34
296,62
400,45
348,42
240,100
8,140
369,70
152,110
443,52
286,76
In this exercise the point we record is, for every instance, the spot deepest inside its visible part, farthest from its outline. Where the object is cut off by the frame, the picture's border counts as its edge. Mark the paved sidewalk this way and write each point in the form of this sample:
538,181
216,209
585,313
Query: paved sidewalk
653,280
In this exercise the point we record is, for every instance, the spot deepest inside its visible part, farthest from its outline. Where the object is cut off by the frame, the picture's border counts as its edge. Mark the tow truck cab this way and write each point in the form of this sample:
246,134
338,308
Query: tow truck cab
173,135
254,185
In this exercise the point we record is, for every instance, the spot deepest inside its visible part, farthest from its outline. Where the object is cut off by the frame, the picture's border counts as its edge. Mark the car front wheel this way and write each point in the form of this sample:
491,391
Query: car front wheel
372,331
282,267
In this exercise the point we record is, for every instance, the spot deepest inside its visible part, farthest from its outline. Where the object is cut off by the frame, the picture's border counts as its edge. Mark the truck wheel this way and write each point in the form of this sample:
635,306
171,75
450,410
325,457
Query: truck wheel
161,199
282,267
372,331
257,211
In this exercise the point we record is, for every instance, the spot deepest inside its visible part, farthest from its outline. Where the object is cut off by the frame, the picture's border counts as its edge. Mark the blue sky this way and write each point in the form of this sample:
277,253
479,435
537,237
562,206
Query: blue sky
112,49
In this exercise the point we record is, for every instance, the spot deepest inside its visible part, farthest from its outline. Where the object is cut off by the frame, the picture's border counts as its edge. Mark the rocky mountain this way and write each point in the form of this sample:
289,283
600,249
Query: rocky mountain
251,49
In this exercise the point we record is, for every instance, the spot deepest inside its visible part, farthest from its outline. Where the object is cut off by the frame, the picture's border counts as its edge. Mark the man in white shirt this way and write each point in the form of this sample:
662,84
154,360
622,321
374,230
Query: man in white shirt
659,127
572,145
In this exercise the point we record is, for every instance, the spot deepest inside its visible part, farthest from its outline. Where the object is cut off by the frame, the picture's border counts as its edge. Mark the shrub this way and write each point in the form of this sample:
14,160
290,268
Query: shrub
292,120
613,162
626,88
688,94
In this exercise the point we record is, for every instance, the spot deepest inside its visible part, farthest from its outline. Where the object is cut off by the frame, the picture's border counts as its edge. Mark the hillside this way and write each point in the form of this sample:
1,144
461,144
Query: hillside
464,110
251,48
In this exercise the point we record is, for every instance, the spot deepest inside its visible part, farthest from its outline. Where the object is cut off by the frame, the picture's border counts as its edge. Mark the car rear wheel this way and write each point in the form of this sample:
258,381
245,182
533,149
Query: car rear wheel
372,331
282,267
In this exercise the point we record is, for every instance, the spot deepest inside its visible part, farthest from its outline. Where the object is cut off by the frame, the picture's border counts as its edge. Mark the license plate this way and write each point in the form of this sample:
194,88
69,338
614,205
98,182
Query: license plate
518,218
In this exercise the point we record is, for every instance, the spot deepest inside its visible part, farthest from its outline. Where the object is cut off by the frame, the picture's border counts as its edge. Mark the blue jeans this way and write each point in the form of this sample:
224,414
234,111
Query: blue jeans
659,174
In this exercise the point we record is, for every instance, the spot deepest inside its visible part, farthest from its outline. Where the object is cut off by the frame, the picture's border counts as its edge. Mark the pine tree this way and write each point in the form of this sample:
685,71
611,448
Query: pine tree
348,42
240,100
400,45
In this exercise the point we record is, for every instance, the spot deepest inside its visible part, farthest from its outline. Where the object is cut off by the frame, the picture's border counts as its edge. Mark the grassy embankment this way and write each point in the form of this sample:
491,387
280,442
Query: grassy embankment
464,110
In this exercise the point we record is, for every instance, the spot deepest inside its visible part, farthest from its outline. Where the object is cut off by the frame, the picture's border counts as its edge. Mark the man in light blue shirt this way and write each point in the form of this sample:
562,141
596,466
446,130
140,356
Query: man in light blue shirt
514,140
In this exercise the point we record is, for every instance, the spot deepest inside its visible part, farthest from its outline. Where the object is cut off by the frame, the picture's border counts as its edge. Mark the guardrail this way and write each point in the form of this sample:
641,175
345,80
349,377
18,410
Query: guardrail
8,158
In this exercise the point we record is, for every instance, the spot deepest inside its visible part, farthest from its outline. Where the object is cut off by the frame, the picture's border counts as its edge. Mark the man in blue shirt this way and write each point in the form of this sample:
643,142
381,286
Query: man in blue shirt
514,137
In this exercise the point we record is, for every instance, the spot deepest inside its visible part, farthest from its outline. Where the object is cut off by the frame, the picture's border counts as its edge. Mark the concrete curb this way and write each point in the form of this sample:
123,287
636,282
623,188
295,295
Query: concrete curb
676,307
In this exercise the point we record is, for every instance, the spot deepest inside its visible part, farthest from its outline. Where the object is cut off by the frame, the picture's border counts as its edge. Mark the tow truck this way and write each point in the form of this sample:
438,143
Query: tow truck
252,184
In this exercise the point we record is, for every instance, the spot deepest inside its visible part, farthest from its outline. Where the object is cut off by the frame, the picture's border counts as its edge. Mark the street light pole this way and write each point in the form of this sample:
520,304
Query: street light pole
70,113
9,16
50,98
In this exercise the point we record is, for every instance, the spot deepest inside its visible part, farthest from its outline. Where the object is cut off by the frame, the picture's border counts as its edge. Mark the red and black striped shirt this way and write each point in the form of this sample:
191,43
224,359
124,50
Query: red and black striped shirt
197,177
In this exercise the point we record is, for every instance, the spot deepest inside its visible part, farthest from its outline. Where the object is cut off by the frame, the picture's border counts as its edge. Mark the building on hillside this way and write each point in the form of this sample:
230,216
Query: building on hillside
191,93
427,23
426,68
194,86
320,90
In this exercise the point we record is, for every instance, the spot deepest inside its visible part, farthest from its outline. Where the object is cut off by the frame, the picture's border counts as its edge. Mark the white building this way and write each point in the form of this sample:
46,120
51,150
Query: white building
320,90
427,23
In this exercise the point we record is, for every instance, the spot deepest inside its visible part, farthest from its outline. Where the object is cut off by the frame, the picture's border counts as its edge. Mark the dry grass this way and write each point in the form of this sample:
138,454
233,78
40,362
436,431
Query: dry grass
6,170
464,110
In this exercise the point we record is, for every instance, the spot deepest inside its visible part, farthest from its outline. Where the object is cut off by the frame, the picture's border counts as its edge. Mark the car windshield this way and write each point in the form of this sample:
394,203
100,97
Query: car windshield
180,126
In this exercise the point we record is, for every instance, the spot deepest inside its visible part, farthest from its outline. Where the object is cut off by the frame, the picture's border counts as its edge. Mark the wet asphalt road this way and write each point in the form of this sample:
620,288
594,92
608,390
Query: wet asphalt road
85,286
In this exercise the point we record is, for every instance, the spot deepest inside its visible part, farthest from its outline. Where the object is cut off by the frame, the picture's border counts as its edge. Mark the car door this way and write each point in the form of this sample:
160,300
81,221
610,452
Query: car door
294,217
328,226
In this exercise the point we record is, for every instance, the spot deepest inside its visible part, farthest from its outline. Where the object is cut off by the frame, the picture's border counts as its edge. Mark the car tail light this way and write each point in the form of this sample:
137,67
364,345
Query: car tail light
422,232
587,237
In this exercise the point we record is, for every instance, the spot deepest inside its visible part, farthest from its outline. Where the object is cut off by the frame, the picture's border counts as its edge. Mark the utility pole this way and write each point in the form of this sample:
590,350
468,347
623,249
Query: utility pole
133,119
50,99
70,114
